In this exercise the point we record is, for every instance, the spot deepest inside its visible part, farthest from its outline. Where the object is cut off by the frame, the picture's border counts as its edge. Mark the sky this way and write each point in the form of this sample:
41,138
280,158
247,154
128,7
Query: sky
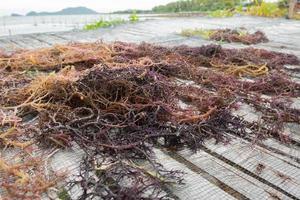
24,6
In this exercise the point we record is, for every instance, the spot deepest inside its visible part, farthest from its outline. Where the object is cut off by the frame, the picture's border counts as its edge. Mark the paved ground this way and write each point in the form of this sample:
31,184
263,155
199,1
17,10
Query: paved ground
218,171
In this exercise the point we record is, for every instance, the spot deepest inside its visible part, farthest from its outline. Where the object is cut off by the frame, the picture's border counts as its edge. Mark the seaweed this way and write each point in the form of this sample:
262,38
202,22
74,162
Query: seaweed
244,37
120,101
240,35
26,179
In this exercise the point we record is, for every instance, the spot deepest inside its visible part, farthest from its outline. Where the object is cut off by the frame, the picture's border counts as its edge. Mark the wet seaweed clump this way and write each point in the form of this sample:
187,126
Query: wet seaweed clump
121,102
117,116
244,37
228,35
23,177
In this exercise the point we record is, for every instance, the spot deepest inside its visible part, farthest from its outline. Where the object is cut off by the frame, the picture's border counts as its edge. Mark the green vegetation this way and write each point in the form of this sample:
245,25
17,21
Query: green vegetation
133,18
226,8
227,13
103,24
258,8
197,5
265,9
221,13
297,17
64,195
204,33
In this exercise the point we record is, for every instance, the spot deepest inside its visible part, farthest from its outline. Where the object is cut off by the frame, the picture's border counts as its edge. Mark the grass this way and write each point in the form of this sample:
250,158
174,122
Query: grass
221,13
266,9
297,17
204,33
133,18
103,24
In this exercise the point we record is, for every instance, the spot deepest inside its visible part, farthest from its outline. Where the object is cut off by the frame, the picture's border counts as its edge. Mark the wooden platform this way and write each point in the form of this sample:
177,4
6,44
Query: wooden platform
217,171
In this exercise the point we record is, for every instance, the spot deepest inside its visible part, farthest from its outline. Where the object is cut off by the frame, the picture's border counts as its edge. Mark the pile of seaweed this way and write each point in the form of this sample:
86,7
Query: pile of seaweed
229,35
240,35
118,102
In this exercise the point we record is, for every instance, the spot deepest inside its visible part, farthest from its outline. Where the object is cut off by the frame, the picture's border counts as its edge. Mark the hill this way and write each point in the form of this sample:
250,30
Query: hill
66,11
15,15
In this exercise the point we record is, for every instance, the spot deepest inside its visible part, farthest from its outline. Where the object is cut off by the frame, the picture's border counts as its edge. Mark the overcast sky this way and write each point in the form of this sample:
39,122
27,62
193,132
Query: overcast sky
23,6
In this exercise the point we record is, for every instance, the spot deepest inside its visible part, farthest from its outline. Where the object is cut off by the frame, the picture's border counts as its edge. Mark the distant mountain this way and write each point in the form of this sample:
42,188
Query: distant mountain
66,11
16,15
130,11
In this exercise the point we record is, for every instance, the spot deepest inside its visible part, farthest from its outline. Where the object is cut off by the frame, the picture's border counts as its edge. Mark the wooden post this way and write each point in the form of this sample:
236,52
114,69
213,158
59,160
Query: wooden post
292,5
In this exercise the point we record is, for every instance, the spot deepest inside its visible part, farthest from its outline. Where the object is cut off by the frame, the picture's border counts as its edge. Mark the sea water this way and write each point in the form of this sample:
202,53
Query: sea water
54,23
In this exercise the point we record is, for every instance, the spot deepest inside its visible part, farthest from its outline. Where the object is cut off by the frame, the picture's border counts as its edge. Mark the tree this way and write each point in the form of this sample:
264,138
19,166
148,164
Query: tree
197,5
292,6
